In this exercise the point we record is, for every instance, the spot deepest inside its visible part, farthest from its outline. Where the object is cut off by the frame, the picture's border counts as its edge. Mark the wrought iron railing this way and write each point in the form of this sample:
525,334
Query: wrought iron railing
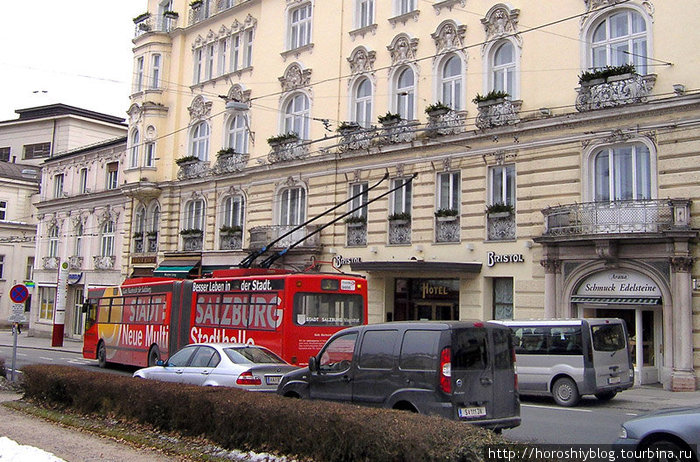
447,229
616,91
500,226
399,231
261,236
357,233
629,216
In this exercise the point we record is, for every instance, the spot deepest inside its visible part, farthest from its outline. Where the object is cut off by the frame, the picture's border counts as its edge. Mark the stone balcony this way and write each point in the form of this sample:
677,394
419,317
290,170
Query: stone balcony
261,236
497,113
356,234
447,229
104,262
617,90
231,241
500,226
50,263
288,150
193,169
399,232
629,217
75,262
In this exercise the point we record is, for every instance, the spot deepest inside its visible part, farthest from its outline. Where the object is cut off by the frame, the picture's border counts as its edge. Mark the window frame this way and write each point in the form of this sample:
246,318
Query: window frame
58,184
237,133
640,60
401,199
299,28
505,69
507,194
3,210
112,171
362,199
52,234
292,210
156,59
404,95
134,151
454,83
199,143
362,105
453,193
364,13
83,180
296,115
614,179
194,214
233,210
138,81
107,237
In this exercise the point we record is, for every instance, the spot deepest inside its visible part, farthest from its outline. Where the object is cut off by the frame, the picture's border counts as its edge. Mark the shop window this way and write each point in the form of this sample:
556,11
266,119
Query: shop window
502,298
47,297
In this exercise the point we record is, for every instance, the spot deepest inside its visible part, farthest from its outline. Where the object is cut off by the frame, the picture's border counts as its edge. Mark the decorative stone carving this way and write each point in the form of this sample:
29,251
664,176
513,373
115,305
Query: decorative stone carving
449,36
551,265
497,113
403,49
135,112
237,93
200,108
438,6
682,264
295,77
501,21
107,214
628,89
361,60
595,4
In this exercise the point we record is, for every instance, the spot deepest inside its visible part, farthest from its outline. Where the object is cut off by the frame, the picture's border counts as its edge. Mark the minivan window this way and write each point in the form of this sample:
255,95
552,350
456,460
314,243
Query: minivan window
416,350
337,354
502,346
565,341
469,349
377,350
531,341
608,337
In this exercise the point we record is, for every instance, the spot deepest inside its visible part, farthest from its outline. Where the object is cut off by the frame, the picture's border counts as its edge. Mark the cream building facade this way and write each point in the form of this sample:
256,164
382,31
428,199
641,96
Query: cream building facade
537,187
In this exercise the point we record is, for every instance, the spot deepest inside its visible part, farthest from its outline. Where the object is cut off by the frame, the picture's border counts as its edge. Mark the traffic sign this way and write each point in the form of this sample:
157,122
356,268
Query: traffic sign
17,313
19,293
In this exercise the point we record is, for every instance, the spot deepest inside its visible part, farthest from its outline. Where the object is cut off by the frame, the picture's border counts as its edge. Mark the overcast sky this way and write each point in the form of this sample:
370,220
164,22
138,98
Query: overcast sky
76,51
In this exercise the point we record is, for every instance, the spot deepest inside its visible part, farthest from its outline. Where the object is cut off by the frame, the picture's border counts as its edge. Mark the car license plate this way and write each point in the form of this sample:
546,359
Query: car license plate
273,379
471,412
612,380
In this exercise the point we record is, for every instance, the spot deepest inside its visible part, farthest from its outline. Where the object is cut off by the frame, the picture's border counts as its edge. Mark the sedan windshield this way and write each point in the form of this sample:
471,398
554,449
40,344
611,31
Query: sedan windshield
252,355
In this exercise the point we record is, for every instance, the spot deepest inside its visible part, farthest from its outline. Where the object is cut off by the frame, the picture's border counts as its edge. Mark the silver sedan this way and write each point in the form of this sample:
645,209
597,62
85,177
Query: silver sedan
221,364
667,435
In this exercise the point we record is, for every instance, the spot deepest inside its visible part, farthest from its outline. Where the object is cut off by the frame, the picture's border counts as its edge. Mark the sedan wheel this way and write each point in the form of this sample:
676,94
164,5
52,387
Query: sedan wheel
666,451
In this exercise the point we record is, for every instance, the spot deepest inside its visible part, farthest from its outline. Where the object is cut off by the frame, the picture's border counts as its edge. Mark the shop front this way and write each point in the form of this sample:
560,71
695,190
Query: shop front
636,299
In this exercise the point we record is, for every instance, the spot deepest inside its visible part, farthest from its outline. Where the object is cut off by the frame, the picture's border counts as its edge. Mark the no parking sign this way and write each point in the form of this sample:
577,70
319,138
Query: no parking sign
19,293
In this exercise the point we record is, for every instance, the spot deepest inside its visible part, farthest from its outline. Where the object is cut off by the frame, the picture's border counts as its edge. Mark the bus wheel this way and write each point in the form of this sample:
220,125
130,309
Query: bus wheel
565,392
102,355
153,356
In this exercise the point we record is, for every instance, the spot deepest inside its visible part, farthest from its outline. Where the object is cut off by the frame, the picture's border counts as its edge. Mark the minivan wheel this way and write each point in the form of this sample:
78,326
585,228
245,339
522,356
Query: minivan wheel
565,392
605,395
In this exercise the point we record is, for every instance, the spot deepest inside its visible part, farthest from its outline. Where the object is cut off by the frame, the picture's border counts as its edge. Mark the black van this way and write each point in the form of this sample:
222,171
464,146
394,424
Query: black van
461,370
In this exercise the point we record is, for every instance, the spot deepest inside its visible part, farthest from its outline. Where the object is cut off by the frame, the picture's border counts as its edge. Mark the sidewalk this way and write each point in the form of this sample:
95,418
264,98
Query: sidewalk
25,341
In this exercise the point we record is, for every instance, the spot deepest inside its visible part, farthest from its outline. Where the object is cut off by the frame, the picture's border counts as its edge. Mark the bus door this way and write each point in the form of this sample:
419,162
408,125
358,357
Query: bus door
610,352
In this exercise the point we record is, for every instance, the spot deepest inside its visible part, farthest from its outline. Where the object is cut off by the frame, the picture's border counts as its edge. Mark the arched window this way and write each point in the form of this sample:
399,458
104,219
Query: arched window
233,209
53,241
363,102
140,220
405,93
194,215
134,157
107,241
503,68
154,218
620,38
292,206
452,83
199,146
238,134
622,173
296,116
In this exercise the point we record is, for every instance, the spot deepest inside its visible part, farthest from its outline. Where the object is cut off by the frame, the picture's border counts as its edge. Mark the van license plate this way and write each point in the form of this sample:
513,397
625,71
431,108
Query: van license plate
470,412
273,379
612,380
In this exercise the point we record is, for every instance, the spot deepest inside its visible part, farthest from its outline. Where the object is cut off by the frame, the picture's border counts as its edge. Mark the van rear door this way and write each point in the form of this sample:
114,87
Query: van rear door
472,374
506,401
610,353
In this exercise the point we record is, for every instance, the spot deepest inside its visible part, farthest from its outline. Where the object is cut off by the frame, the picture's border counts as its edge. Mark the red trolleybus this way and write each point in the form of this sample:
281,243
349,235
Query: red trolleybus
293,314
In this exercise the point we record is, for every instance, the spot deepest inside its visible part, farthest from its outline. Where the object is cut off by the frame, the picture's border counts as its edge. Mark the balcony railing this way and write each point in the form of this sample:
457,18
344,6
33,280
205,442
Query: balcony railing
104,262
193,169
151,24
207,8
357,234
192,242
231,241
399,231
500,226
497,113
618,217
447,229
261,236
616,91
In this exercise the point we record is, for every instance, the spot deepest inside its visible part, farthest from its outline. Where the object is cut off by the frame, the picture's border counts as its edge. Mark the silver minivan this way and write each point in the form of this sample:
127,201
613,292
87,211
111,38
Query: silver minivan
568,358
461,370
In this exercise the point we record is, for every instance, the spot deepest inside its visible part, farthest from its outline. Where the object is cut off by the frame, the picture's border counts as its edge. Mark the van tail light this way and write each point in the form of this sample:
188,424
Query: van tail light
247,378
446,371
515,369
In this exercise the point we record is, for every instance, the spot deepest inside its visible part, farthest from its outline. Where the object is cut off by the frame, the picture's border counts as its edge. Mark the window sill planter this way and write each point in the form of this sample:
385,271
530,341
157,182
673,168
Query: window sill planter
499,214
447,219
399,222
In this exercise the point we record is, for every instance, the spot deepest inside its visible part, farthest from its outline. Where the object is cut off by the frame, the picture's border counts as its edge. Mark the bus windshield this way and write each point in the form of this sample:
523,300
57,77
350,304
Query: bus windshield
608,337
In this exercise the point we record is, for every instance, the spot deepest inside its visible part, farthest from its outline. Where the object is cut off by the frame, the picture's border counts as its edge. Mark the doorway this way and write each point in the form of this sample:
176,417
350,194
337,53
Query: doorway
643,325
426,299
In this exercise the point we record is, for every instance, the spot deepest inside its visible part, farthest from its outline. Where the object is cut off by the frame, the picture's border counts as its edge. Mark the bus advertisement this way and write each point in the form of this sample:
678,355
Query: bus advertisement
147,319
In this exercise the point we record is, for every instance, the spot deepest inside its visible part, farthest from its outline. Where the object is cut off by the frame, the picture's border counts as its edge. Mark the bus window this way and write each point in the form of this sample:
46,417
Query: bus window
90,309
565,341
608,337
314,309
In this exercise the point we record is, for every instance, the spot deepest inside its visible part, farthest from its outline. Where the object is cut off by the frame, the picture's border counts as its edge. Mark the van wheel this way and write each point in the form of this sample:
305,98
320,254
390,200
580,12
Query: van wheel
606,395
565,392
153,356
102,355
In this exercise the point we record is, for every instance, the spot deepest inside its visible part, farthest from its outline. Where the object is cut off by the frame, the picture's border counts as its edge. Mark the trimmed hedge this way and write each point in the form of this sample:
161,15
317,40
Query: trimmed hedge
238,419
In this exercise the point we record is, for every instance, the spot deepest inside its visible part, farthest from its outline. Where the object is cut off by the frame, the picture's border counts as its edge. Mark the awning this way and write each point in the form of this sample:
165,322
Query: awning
616,300
416,265
177,268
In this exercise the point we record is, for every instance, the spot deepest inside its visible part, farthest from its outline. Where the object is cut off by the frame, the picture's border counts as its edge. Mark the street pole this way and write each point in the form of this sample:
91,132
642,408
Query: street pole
14,352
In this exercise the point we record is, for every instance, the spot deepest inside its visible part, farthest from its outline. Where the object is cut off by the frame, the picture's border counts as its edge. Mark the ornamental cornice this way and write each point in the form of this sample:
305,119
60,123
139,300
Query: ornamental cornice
238,93
500,22
449,36
295,77
682,264
200,108
403,49
362,60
